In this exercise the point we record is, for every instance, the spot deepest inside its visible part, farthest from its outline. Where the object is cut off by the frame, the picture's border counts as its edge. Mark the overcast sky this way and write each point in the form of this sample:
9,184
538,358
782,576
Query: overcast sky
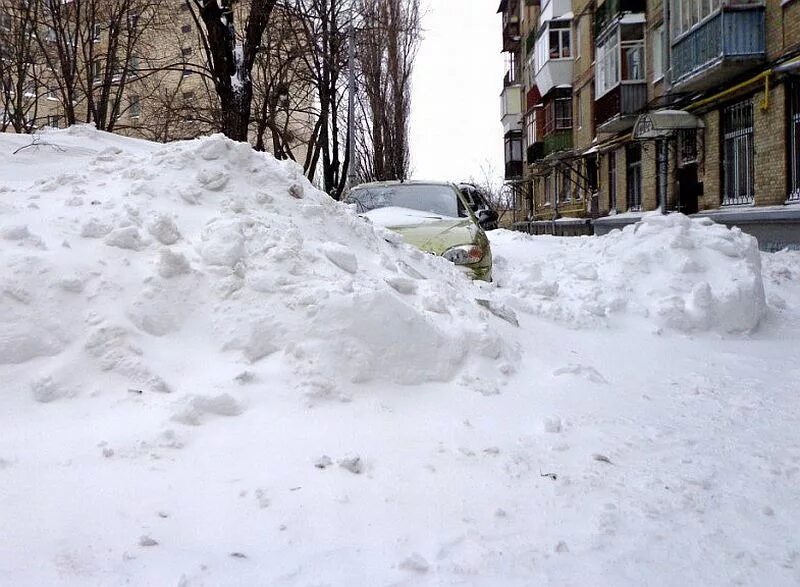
455,110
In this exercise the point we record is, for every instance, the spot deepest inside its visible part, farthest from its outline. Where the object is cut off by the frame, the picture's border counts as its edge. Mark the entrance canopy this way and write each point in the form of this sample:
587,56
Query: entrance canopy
664,123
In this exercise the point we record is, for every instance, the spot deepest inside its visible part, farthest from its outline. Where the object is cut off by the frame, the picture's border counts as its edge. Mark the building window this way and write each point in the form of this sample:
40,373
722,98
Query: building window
558,115
186,51
794,145
5,21
577,38
188,96
133,20
186,73
612,180
737,153
530,128
187,28
97,31
578,110
135,110
661,176
547,190
50,34
658,53
97,71
133,65
633,160
560,40
52,93
52,121
688,13
185,6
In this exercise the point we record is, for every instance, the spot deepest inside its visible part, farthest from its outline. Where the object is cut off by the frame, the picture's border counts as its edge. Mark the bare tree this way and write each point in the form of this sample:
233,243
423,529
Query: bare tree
324,26
230,57
388,45
501,196
283,92
20,66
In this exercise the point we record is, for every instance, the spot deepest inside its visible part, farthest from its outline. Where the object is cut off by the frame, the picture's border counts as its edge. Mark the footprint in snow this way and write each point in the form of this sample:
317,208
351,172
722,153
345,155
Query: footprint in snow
585,371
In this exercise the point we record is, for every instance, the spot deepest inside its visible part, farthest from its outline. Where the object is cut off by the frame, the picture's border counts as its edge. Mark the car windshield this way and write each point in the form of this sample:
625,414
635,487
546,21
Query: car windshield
438,200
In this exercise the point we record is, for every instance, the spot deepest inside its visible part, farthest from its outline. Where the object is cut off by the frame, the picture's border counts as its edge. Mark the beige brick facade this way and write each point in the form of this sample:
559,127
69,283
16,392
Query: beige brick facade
697,175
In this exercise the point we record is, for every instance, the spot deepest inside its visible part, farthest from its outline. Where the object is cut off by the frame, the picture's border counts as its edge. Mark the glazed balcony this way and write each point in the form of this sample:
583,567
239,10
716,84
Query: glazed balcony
511,108
559,140
719,48
511,32
513,170
616,111
534,152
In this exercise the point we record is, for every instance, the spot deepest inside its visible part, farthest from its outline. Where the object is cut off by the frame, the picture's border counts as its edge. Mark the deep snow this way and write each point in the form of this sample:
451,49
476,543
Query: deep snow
214,375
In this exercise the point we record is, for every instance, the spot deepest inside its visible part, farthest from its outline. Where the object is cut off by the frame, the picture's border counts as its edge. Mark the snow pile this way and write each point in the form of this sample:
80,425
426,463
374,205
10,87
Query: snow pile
114,257
678,273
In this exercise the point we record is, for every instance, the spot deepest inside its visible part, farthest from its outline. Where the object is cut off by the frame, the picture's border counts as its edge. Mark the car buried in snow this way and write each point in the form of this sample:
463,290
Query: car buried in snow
434,217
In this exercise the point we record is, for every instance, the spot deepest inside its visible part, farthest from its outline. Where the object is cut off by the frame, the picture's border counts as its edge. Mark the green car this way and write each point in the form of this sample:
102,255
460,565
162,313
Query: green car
434,217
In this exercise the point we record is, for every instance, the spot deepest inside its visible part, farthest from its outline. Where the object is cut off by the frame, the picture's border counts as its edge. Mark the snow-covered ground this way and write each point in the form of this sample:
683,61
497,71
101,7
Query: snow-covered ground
211,374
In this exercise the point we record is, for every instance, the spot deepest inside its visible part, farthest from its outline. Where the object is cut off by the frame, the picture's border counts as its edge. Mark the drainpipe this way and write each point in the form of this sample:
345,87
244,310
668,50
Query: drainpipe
666,43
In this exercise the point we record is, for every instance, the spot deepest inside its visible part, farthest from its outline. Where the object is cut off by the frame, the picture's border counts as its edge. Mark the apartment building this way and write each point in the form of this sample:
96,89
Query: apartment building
135,67
693,105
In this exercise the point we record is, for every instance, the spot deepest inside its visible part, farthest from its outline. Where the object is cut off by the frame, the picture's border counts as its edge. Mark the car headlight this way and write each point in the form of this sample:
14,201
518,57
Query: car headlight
464,254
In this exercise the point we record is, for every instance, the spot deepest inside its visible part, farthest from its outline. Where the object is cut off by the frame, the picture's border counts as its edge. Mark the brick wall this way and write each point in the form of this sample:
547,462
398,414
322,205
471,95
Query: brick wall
709,171
769,136
782,27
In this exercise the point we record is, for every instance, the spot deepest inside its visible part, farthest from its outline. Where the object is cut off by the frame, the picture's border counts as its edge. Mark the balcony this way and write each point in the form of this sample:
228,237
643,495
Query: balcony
511,32
560,140
554,9
513,170
608,12
534,153
727,44
616,111
511,102
553,74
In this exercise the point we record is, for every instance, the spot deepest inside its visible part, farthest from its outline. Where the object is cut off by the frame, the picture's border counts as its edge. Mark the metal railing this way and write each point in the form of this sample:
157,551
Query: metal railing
730,33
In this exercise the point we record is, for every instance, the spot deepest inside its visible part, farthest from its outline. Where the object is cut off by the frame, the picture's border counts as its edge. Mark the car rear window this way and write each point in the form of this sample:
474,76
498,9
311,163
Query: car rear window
440,200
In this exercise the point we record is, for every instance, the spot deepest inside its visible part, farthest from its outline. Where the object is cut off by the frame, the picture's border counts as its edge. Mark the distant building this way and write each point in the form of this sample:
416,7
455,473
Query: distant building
138,69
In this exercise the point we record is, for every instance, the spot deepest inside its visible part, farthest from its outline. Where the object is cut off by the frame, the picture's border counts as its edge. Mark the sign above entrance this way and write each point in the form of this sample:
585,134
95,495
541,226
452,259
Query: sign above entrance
663,123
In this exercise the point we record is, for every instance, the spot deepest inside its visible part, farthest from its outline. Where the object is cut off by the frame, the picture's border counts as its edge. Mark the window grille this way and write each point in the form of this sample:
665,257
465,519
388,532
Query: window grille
738,159
633,157
794,144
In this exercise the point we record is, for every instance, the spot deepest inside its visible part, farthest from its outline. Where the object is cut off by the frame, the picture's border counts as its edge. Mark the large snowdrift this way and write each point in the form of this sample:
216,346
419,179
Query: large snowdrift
121,254
671,271
291,449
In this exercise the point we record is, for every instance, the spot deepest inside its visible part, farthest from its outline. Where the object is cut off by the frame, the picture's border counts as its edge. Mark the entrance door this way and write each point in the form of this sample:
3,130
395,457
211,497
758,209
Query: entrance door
689,189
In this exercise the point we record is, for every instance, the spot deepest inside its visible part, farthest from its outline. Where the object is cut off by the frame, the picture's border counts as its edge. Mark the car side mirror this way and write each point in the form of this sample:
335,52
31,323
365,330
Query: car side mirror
487,218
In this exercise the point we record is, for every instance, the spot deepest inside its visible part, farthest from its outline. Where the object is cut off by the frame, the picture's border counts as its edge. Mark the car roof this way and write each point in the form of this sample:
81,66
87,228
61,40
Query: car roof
395,183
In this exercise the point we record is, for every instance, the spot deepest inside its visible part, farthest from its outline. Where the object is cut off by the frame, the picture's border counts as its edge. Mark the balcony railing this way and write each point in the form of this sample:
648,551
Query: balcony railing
560,140
625,100
733,37
513,169
534,152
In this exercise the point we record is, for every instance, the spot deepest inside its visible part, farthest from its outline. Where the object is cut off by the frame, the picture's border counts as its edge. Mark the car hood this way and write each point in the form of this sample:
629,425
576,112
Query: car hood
424,230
